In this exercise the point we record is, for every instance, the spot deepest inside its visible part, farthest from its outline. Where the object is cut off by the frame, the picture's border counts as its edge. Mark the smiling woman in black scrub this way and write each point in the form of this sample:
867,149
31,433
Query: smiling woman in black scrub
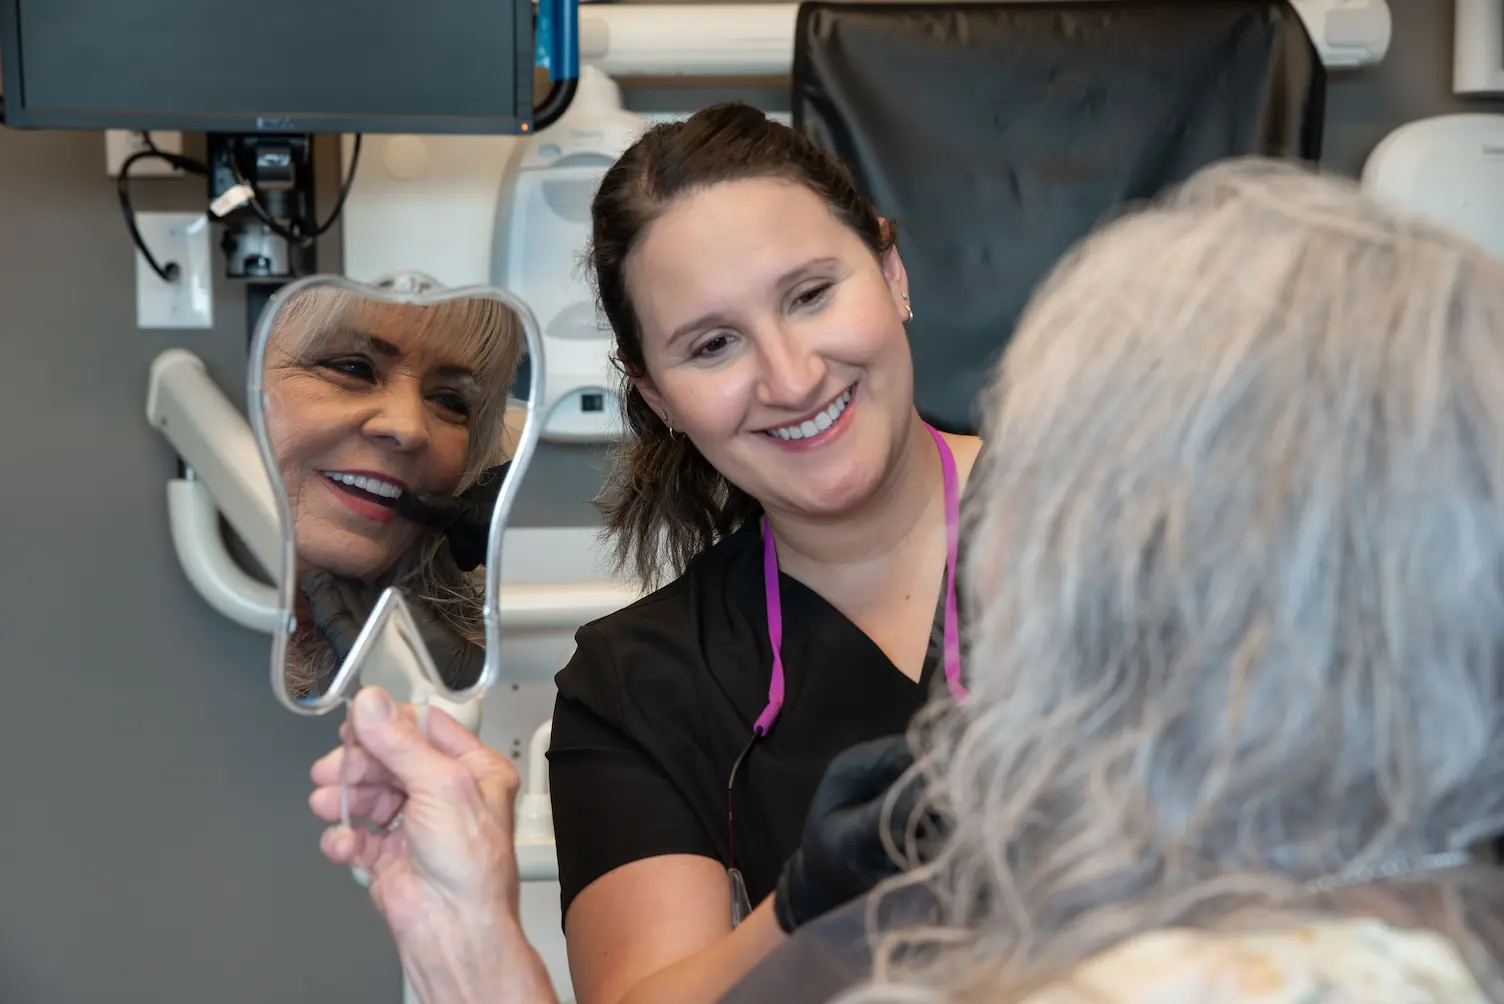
776,463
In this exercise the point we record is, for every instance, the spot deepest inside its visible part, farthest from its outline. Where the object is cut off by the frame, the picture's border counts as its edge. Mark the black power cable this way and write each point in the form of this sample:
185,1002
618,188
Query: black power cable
170,271
555,103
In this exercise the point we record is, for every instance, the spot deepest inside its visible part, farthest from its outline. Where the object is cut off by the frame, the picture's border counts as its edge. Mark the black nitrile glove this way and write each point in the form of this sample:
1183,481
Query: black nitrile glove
340,608
841,855
465,519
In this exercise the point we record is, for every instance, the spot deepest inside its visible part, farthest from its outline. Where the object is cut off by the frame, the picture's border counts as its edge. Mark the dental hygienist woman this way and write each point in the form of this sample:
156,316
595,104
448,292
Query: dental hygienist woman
777,467
725,742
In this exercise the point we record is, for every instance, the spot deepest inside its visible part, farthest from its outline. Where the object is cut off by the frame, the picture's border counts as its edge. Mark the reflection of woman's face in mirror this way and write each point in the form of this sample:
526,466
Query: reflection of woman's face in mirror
366,399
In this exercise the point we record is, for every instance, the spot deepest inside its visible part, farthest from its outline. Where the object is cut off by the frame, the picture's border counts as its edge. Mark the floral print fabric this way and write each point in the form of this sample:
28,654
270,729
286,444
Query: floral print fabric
1339,962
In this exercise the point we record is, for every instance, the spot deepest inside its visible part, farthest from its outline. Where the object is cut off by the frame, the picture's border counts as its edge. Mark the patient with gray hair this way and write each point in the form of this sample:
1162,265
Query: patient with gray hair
1235,728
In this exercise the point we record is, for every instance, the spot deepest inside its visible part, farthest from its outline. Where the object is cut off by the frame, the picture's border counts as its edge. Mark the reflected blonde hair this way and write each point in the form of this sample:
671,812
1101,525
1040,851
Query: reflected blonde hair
486,336
1236,575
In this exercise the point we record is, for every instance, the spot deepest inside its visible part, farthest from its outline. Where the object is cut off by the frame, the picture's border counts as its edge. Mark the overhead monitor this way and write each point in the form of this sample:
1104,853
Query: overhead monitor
273,66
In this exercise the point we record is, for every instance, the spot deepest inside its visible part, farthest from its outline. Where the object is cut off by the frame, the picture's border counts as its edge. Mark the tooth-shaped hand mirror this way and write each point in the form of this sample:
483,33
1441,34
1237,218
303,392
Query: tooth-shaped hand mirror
382,415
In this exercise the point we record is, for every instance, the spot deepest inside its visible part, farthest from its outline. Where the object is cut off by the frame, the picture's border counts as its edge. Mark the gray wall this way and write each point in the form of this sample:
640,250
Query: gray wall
155,844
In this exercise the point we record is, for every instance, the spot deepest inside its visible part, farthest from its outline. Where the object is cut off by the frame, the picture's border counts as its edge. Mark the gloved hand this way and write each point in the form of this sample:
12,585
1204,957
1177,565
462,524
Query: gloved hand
340,608
465,519
841,855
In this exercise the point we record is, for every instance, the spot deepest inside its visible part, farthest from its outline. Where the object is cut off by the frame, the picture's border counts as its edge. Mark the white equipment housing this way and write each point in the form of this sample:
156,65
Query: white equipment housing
757,39
1448,169
541,231
1478,62
1347,33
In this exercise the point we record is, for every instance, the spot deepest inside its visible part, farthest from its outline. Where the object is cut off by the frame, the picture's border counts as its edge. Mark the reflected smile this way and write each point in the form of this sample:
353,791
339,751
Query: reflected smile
815,424
367,483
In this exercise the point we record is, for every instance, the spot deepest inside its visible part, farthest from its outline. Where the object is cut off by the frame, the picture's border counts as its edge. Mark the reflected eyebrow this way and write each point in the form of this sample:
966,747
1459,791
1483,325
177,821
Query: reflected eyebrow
449,371
718,318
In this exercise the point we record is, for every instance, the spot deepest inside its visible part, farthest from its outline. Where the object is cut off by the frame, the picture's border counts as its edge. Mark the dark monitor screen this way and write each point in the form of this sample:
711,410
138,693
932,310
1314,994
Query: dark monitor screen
380,66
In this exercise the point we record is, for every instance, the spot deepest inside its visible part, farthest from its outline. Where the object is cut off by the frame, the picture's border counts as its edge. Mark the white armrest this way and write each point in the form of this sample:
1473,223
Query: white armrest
537,860
214,439
555,606
194,521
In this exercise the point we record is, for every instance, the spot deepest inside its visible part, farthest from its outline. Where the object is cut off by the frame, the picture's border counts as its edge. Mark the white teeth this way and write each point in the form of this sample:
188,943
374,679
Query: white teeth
818,424
366,484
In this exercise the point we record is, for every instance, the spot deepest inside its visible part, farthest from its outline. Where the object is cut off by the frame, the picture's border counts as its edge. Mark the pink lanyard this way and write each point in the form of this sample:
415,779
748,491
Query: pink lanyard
952,631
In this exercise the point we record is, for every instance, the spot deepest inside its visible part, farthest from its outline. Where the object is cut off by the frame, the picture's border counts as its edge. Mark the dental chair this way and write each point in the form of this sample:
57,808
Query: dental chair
999,134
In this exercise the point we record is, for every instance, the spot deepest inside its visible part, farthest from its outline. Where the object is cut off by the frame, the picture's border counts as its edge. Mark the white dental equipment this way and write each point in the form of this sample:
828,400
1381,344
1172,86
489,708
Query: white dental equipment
1450,168
223,475
541,230
757,40
1478,57
536,860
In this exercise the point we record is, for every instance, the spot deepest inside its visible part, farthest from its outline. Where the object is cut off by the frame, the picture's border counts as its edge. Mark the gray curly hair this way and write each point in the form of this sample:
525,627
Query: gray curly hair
1236,574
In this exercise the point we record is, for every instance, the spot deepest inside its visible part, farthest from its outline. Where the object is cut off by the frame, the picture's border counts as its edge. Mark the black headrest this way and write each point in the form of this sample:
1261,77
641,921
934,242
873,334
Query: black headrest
999,134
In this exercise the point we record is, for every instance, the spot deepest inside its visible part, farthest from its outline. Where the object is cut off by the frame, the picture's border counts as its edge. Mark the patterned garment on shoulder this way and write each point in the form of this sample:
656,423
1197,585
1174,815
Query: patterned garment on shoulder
1333,962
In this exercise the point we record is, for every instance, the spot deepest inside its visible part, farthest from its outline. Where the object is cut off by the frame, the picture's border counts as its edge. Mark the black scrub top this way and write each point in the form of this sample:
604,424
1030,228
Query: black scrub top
660,698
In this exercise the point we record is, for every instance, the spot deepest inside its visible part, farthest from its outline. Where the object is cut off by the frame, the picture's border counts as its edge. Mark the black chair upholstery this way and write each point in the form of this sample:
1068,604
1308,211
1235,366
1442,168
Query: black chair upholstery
999,134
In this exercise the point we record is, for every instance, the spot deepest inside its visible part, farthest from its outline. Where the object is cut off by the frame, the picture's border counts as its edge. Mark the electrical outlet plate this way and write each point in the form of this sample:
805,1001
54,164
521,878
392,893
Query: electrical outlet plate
120,144
188,302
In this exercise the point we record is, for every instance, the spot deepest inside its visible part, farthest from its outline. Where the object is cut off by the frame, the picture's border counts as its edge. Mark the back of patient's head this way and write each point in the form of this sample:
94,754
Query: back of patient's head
1236,573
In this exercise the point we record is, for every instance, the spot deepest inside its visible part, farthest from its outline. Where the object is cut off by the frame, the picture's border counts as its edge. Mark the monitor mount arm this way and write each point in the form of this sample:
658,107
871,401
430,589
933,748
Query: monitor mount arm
261,189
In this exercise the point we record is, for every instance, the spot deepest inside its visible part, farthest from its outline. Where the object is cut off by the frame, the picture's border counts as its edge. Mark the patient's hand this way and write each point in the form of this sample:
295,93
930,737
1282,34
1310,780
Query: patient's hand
442,868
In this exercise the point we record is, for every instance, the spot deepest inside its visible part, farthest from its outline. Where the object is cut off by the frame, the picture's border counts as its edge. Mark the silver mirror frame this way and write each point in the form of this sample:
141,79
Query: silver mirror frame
391,604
